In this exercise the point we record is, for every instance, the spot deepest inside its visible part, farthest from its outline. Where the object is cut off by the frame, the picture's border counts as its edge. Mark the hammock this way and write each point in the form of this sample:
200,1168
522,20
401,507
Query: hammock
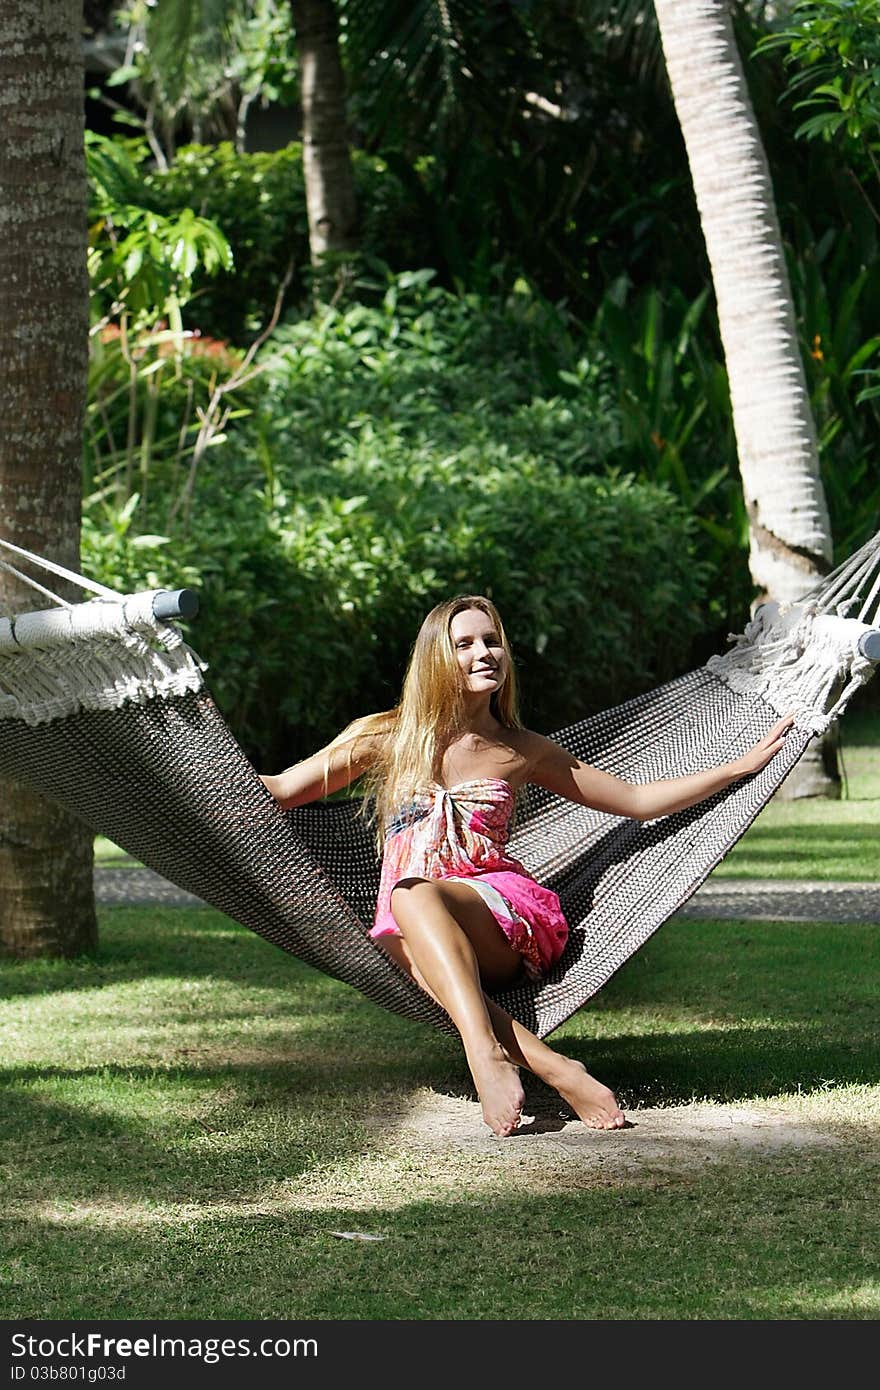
103,708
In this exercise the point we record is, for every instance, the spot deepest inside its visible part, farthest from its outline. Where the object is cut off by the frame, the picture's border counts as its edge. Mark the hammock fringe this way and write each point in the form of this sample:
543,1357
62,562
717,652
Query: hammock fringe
58,662
799,660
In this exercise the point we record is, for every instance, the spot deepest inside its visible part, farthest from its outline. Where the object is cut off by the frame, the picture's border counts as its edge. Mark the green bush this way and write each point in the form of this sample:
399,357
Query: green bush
312,592
385,465
259,202
448,368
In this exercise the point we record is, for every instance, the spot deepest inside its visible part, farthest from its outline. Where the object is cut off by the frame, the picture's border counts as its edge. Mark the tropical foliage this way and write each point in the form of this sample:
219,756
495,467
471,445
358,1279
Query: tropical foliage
546,400
391,454
832,57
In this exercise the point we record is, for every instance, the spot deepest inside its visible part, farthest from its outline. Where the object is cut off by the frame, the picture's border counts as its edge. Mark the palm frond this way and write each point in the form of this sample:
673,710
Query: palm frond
428,60
187,39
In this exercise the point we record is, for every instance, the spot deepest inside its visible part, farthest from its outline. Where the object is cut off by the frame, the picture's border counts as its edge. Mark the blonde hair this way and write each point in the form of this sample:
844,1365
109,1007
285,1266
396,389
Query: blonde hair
409,741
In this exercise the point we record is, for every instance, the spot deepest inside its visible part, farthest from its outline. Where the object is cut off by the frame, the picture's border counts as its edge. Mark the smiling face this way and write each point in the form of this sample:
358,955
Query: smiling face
479,651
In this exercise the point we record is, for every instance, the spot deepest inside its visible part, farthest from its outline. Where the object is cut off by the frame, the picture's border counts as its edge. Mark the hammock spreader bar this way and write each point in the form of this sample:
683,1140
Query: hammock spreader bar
112,720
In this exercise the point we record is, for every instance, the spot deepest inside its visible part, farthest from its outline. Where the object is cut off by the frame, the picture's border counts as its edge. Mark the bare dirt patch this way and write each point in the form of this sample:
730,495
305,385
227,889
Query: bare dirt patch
675,1136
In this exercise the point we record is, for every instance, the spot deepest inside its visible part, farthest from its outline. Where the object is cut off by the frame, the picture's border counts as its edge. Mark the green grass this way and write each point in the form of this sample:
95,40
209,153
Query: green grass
189,1115
818,839
110,856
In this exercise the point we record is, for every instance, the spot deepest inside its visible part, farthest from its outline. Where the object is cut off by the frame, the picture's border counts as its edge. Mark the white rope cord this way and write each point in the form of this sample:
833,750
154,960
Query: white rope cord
53,568
842,588
91,656
849,576
83,622
858,560
869,601
26,579
848,581
42,686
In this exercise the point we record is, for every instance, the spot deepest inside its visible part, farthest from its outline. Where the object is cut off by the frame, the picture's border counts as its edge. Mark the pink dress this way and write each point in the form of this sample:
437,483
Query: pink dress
460,833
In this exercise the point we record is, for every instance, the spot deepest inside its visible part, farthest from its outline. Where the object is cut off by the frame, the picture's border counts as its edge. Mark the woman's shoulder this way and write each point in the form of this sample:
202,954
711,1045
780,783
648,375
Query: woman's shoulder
372,741
529,749
369,734
534,750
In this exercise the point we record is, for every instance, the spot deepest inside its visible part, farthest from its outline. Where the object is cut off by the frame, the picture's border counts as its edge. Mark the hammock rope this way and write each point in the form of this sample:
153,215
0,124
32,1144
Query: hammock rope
841,590
103,708
52,567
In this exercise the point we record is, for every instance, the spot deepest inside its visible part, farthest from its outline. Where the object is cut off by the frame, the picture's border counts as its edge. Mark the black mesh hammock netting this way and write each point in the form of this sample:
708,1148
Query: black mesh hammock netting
103,709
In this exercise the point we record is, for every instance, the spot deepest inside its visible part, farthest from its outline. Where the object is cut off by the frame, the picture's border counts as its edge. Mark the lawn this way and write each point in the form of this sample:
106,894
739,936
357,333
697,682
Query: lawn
190,1116
818,839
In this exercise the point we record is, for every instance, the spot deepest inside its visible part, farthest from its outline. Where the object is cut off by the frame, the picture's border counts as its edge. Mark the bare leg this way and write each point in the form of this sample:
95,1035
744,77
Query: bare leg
437,926
497,965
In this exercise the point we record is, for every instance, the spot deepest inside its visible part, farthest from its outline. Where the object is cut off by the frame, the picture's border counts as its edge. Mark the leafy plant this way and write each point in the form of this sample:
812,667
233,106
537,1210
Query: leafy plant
834,48
156,403
259,201
837,300
383,467
142,262
670,390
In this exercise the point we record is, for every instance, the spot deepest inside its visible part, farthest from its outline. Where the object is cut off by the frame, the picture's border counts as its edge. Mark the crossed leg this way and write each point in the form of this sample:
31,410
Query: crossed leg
453,947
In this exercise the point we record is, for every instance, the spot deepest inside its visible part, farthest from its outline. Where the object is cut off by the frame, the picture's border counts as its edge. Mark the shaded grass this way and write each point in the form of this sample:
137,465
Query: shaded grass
188,1116
771,1242
738,1010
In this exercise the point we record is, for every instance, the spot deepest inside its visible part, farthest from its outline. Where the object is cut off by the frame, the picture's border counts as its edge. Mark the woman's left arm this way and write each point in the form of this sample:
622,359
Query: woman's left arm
552,767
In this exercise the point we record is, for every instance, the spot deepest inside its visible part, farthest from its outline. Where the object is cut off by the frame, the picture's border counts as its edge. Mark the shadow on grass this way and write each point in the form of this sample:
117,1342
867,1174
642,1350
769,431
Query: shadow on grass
811,839
791,1237
733,1065
125,1134
807,852
142,943
278,1071
176,1131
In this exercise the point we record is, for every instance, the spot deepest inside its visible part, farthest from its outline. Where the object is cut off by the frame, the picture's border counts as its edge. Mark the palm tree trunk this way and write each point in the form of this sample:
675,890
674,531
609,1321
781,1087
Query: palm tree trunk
329,180
46,897
789,527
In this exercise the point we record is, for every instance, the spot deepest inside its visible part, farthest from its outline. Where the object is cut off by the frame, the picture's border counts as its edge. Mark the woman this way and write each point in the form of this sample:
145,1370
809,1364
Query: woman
454,909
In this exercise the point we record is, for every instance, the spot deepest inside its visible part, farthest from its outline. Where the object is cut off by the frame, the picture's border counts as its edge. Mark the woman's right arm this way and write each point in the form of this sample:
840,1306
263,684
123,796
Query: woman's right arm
322,773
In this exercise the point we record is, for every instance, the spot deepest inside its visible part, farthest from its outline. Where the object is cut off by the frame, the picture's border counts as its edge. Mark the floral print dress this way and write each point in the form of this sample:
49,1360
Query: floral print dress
460,833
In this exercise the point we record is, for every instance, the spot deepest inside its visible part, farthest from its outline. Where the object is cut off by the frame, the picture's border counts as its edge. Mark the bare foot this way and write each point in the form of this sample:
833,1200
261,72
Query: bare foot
594,1104
498,1086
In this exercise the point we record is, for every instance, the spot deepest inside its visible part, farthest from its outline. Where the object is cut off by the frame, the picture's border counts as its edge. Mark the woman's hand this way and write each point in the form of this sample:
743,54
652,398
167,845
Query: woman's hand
766,748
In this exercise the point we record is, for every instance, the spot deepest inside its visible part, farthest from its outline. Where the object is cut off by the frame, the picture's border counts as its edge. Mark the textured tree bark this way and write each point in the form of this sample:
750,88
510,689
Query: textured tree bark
789,528
329,180
46,897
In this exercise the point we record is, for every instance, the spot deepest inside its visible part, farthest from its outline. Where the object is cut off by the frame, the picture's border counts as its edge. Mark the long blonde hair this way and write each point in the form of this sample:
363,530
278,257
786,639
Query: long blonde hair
409,741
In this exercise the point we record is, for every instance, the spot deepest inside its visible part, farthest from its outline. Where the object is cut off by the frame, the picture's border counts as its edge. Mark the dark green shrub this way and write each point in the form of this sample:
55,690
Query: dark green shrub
447,368
259,202
383,468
